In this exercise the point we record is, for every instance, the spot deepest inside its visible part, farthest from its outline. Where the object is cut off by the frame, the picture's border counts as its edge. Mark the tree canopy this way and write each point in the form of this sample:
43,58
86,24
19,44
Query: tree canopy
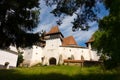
16,17
107,38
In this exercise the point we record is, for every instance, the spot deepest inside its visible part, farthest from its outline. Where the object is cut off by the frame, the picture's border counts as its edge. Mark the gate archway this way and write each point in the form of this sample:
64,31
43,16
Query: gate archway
52,61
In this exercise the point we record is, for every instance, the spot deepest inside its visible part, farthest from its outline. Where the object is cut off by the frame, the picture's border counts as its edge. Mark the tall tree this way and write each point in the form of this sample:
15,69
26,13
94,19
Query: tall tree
108,35
16,17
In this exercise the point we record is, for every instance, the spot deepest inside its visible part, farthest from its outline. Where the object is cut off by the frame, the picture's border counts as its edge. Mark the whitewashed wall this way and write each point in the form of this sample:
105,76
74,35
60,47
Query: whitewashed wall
36,55
76,52
27,56
53,43
51,50
13,48
95,56
8,57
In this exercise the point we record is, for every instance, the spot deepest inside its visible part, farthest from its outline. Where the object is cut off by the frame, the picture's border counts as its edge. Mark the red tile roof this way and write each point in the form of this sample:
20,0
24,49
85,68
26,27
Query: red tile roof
53,30
69,41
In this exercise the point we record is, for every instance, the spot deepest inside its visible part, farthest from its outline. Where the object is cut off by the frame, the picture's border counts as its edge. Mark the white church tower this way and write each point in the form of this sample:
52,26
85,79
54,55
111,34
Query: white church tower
53,41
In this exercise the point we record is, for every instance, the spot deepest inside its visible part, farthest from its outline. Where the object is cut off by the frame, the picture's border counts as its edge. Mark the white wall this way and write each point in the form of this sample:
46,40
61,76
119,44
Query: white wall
27,56
53,43
13,48
36,55
8,57
76,52
51,50
95,56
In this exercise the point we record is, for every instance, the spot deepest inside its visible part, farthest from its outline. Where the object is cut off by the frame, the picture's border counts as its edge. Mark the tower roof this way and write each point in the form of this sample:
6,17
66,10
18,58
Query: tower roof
69,41
91,39
54,30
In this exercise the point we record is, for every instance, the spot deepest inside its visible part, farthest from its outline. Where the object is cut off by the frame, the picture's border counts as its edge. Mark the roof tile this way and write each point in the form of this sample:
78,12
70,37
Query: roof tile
53,30
69,41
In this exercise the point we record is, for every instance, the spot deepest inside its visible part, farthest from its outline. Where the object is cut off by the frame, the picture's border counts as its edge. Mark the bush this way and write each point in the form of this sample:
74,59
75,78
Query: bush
20,58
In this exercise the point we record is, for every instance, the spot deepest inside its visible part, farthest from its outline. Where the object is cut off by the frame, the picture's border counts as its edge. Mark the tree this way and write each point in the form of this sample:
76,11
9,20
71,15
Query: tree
107,38
16,17
20,58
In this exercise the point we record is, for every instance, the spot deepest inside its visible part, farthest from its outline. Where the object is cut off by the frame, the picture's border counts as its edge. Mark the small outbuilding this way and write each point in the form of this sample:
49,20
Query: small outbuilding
8,59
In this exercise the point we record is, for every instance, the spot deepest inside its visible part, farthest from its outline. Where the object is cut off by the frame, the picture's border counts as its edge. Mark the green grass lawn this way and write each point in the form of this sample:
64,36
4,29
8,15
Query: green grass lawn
59,73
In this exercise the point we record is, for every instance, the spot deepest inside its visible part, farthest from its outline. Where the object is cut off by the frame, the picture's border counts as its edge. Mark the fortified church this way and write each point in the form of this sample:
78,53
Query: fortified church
56,48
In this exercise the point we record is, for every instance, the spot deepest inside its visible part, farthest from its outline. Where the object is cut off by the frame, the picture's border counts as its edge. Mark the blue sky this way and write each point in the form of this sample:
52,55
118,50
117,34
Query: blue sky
47,20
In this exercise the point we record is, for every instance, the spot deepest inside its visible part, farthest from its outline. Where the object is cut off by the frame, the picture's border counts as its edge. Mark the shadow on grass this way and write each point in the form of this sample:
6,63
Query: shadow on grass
15,75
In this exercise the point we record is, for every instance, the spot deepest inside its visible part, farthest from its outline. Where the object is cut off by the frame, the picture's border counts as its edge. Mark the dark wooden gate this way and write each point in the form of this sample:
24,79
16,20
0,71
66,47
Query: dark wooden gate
52,61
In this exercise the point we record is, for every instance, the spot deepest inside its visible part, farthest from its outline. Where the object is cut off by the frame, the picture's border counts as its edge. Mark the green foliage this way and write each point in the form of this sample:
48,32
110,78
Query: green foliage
102,57
20,58
108,35
59,73
16,17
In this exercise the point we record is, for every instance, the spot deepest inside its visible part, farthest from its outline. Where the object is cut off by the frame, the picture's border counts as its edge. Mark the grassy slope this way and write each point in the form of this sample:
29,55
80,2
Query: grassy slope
58,73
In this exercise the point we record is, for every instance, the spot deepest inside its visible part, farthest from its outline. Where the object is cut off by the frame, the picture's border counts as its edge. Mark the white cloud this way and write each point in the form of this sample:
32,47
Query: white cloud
47,20
83,36
66,27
